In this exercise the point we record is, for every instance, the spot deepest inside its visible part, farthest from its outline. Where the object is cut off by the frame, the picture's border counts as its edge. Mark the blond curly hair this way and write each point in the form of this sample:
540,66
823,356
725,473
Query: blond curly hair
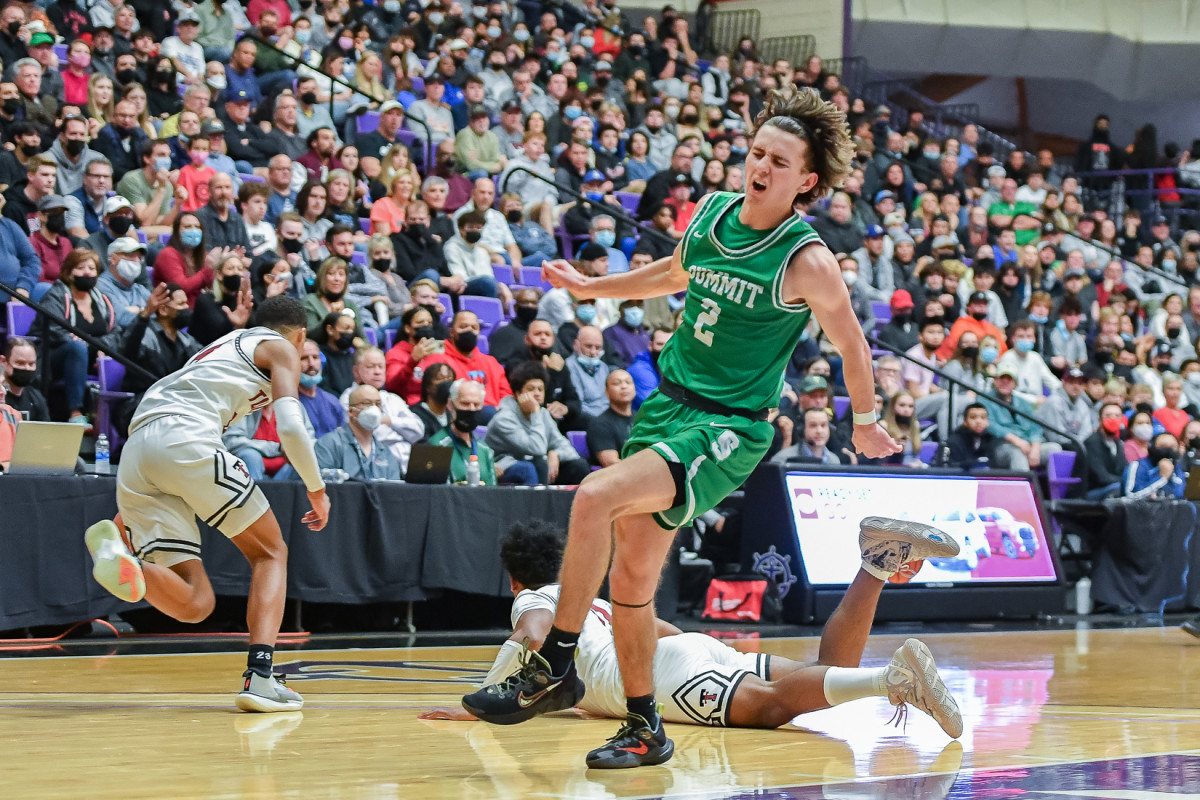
821,125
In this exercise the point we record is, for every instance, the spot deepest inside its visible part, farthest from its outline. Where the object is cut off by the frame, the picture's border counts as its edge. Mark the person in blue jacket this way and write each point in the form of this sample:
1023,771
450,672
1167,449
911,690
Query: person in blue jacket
1159,474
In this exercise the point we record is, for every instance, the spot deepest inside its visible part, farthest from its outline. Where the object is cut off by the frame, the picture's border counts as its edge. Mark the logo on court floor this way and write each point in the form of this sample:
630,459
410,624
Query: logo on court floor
387,671
776,567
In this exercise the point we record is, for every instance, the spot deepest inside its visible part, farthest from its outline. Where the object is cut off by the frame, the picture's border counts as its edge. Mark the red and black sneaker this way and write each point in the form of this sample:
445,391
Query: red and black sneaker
635,745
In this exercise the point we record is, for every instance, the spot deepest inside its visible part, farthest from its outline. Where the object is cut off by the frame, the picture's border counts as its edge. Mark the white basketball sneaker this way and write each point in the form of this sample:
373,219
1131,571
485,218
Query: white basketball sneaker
266,694
115,567
888,544
912,679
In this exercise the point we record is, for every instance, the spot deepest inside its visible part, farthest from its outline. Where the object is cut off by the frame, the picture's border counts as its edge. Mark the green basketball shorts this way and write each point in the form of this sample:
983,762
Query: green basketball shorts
715,453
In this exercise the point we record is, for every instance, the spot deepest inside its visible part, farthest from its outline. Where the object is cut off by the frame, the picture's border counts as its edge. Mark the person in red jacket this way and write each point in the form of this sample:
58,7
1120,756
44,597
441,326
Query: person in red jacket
465,358
975,320
186,259
403,377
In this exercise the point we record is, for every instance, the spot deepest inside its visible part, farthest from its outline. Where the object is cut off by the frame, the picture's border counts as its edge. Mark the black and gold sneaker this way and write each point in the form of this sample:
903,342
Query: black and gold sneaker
527,693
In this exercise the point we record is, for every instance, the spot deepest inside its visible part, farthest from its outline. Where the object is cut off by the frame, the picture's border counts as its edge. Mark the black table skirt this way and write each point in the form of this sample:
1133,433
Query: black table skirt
384,542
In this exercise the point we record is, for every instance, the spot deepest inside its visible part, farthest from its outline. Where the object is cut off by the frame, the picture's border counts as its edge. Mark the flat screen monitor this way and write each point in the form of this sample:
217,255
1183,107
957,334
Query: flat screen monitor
996,521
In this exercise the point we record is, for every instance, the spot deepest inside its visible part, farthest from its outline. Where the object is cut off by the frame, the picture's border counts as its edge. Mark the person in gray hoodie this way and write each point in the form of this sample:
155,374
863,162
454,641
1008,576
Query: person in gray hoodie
523,430
71,153
1068,408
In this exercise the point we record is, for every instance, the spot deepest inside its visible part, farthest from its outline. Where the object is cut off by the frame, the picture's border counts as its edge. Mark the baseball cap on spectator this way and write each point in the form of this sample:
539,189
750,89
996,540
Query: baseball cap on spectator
212,127
435,78
126,244
459,44
40,39
390,105
476,111
901,299
1049,228
883,109
940,242
594,176
240,96
114,204
511,106
884,194
1161,348
893,219
1074,374
902,237
1158,220
52,202
996,171
681,179
603,66
591,251
1007,370
874,232
814,383
977,297
187,15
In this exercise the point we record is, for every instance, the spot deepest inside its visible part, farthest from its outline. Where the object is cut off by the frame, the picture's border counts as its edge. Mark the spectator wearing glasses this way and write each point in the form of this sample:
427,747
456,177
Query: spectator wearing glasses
85,206
399,428
465,403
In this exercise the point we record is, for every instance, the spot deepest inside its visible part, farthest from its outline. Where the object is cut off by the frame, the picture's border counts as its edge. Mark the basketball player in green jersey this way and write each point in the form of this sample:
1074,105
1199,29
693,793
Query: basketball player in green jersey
754,272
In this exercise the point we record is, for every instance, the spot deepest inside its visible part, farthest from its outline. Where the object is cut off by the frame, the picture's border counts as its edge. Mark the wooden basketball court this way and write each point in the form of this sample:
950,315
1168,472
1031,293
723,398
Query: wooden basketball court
1083,713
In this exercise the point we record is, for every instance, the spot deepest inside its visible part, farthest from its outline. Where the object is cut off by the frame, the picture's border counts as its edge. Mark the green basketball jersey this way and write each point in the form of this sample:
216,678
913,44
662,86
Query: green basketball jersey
737,332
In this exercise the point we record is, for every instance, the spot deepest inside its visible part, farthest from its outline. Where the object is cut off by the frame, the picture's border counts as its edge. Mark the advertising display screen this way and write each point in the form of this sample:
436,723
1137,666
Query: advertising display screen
994,520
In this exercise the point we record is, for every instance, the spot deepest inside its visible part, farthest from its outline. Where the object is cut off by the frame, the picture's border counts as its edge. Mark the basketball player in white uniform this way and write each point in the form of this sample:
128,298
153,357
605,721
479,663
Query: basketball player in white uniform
174,468
702,681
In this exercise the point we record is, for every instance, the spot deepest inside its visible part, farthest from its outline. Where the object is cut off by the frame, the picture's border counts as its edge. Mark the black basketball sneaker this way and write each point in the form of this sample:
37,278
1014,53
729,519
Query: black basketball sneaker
635,745
525,694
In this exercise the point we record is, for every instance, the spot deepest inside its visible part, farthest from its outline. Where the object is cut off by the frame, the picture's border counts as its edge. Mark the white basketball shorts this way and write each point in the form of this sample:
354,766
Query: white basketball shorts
170,474
695,677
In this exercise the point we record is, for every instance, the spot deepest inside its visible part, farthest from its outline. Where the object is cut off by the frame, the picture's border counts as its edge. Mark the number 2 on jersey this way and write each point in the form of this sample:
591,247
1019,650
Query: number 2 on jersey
706,318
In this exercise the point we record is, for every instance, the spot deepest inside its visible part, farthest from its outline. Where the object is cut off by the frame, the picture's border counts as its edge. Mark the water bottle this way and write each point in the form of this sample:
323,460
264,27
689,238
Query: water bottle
1083,596
103,466
334,475
473,478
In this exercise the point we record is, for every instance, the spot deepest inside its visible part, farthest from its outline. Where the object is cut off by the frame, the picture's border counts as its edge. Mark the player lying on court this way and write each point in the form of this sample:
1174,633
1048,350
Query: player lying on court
754,272
174,468
702,681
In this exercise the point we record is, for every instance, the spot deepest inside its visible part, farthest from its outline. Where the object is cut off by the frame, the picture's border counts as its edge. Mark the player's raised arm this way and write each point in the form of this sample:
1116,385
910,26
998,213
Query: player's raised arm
814,277
662,277
283,361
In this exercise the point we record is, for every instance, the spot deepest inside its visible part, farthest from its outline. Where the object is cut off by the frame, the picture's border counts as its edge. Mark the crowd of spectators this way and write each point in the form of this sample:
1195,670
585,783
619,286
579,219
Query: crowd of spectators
165,167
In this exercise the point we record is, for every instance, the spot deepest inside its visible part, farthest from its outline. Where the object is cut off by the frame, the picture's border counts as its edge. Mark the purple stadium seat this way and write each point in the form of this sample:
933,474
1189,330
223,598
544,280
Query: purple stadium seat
882,311
483,345
840,404
1058,473
163,238
504,274
250,177
928,451
372,336
578,440
448,314
365,224
418,85
141,236
532,276
629,200
389,339
368,121
20,318
358,257
110,398
488,309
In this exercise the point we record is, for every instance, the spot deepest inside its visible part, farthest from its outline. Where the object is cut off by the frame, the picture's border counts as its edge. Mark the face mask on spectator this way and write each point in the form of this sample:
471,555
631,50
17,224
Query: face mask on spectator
849,277
162,163
128,271
466,342
370,418
586,314
1040,319
310,380
423,332
345,341
84,283
590,363
1158,454
183,318
119,226
345,42
291,245
595,197
22,377
527,314
904,420
493,32
606,238
441,392
231,283
80,60
1112,426
521,35
126,75
309,98
989,354
970,352
198,157
472,237
633,316
573,112
415,229
1023,345
57,223
216,82
391,6
1173,333
465,420
11,105
587,42
514,216
74,147
437,18
1169,266
382,264
191,237
1142,431
671,111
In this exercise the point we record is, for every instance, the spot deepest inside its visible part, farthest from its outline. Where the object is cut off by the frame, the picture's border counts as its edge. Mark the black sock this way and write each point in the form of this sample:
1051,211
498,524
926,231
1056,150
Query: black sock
259,659
559,650
644,707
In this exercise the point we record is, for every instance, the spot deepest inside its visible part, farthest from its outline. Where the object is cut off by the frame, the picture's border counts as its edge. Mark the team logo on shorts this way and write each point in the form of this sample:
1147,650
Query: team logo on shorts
705,698
776,567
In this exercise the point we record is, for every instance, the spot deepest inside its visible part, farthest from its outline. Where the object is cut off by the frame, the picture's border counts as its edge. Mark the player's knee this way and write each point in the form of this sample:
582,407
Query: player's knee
593,497
631,584
198,609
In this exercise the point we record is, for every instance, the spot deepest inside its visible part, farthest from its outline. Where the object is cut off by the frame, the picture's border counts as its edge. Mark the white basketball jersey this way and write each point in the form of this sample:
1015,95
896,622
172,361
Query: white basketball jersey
597,660
216,387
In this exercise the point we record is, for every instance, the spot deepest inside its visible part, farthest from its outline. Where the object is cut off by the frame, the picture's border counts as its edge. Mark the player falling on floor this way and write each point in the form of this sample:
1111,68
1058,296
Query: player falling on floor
705,682
174,469
754,272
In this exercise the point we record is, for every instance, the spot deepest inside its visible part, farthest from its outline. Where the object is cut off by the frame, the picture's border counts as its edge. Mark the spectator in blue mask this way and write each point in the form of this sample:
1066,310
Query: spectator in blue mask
323,409
604,233
588,371
628,337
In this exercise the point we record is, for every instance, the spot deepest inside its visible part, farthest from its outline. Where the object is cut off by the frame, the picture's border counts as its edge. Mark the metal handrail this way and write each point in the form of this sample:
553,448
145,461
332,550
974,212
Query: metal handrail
991,398
92,341
617,212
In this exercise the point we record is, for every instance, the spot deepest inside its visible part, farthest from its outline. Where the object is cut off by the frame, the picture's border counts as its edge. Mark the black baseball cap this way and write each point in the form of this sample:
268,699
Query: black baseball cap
977,297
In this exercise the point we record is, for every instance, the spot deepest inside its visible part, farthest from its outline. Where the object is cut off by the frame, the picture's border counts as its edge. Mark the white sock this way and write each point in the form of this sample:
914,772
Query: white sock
871,569
843,684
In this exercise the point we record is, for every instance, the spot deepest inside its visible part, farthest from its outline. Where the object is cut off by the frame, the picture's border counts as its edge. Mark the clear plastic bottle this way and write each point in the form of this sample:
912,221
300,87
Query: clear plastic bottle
334,475
103,456
473,478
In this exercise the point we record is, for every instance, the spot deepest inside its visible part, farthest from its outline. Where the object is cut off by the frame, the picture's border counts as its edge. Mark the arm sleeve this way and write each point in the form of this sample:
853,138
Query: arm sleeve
506,663
293,432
